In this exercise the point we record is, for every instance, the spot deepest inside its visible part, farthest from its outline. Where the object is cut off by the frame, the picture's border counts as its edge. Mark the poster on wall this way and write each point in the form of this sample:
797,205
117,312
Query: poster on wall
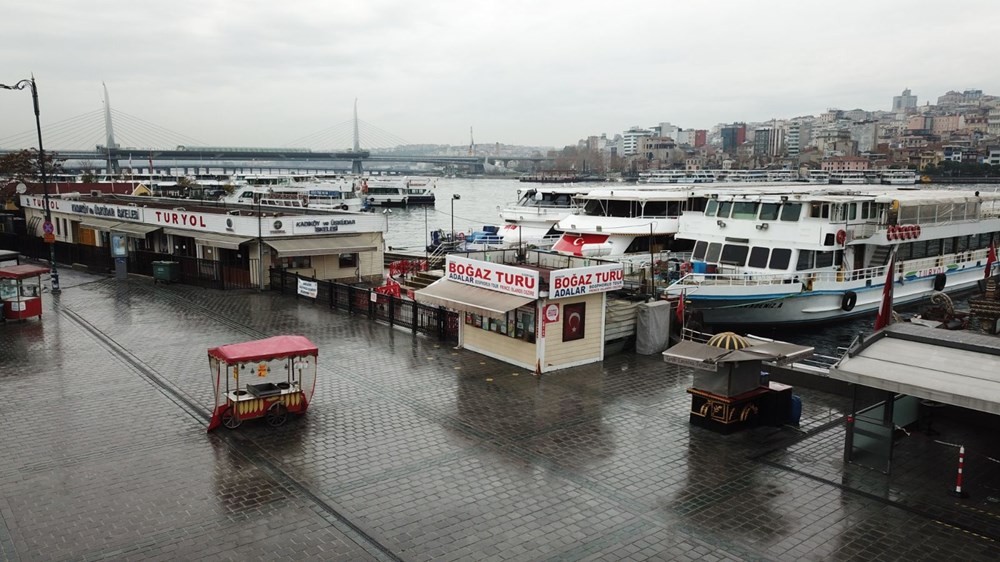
308,288
574,320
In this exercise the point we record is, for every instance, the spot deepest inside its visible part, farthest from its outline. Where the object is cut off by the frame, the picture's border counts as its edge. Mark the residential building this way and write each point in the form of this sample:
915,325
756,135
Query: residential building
631,139
700,138
903,102
845,164
733,136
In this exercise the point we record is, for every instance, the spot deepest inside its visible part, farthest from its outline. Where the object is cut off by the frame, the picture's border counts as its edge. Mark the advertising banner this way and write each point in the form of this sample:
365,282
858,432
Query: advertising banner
494,276
308,288
586,280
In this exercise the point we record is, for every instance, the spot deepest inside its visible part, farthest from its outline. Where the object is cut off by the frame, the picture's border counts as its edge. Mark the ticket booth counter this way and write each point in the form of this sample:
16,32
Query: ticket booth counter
21,291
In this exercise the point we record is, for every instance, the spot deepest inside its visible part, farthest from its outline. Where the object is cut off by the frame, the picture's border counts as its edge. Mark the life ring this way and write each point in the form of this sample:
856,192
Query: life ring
940,280
841,237
891,233
849,300
686,267
343,207
460,236
916,231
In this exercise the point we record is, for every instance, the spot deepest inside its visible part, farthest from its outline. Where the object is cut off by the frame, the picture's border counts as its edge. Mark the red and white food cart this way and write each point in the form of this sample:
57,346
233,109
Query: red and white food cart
283,369
21,291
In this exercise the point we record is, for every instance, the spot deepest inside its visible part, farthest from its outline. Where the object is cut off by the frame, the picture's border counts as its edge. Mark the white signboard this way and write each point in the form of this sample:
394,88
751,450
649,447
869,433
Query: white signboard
308,288
586,280
494,276
320,224
104,211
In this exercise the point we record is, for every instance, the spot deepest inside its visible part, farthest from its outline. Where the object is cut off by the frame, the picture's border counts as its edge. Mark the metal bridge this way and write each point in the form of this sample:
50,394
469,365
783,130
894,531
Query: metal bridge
188,153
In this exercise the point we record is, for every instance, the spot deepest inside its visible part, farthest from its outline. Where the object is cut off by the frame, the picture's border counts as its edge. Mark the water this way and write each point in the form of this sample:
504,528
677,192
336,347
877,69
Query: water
478,206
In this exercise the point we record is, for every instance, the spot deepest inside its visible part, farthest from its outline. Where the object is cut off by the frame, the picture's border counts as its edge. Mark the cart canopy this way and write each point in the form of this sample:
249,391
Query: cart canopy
277,347
22,271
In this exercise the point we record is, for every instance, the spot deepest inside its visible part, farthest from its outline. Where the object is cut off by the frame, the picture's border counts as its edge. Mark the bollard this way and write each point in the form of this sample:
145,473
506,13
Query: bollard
959,493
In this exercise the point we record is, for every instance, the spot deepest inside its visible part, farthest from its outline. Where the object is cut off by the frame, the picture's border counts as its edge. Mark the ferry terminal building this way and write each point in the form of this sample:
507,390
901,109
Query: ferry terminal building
545,316
330,245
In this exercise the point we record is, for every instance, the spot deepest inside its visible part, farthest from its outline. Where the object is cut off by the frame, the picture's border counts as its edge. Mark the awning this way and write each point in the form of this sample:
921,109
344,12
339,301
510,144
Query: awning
227,241
98,224
293,247
467,298
135,229
180,232
957,368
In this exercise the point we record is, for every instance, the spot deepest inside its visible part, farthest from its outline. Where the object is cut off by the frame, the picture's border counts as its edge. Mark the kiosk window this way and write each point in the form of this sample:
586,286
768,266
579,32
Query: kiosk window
348,260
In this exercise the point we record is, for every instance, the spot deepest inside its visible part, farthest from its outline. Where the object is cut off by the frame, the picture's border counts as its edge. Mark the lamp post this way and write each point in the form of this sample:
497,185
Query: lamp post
454,196
26,83
386,213
426,241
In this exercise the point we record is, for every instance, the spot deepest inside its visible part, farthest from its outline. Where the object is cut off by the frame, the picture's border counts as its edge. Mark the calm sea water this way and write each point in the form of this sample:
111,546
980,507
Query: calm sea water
479,199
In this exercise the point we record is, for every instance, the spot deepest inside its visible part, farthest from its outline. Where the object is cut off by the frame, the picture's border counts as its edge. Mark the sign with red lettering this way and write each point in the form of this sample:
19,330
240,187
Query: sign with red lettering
586,280
494,276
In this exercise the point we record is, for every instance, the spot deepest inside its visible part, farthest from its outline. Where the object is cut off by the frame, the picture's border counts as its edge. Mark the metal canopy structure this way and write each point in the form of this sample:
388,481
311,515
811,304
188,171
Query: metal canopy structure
98,224
467,298
135,229
958,368
318,246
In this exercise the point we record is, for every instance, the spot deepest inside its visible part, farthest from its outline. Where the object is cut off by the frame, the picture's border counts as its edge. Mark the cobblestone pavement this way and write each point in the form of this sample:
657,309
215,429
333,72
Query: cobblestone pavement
417,451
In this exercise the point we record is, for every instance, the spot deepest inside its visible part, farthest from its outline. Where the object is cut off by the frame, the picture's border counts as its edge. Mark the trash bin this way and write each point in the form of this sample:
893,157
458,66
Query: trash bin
166,271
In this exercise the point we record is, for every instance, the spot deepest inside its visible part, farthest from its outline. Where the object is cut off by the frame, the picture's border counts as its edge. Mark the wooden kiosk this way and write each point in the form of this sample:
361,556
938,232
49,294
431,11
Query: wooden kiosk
21,291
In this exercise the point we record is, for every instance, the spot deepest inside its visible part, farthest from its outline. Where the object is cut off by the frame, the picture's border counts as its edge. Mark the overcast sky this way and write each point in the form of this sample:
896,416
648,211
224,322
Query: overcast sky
542,72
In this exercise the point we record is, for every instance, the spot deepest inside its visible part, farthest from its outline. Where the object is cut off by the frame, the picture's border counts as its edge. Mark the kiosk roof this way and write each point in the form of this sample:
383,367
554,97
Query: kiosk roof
22,271
278,347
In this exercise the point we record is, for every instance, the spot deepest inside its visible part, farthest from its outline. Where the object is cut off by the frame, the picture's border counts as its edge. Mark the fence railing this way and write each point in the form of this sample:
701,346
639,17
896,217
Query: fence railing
434,321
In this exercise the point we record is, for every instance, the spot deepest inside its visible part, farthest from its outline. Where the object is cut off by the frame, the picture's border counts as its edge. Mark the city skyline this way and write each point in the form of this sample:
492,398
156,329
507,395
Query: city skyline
517,73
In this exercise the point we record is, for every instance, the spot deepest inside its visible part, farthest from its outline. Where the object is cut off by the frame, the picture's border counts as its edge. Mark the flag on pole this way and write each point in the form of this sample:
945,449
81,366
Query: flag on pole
884,317
680,310
991,258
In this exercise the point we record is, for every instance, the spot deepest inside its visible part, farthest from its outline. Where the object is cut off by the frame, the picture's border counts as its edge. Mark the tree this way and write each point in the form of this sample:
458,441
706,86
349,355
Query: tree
23,165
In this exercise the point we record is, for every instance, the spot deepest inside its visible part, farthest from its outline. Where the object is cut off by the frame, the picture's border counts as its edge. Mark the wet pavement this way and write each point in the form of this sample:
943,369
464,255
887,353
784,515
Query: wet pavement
413,450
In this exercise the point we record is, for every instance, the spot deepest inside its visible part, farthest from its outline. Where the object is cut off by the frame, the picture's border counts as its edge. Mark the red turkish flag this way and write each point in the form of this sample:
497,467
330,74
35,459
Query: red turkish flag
570,243
884,317
991,258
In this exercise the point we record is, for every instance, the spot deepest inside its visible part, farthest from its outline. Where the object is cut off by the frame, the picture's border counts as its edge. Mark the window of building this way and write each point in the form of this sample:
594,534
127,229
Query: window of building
348,260
294,262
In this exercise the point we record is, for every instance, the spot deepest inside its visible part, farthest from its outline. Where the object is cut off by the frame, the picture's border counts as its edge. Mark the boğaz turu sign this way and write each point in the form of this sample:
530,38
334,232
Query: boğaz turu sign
586,280
494,276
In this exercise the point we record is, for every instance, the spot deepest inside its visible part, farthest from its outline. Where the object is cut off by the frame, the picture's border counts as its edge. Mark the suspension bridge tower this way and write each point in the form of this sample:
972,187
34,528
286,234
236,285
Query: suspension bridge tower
356,167
109,132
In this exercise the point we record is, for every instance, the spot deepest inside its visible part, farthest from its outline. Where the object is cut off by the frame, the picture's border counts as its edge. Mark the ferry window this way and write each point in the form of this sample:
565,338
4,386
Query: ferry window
711,208
829,239
905,252
791,211
734,254
805,260
699,250
824,259
758,257
944,212
866,210
655,209
745,210
724,209
714,250
348,260
919,249
853,213
840,212
246,195
769,211
948,245
908,215
961,243
780,258
933,247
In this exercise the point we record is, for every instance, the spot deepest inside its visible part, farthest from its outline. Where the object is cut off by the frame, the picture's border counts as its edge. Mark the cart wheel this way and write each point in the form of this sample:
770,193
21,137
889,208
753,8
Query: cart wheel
277,414
230,420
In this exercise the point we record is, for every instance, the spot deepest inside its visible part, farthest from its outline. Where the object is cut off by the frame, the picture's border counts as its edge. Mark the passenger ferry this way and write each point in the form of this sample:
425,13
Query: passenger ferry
618,223
818,176
534,216
676,176
296,192
814,257
848,178
898,177
397,191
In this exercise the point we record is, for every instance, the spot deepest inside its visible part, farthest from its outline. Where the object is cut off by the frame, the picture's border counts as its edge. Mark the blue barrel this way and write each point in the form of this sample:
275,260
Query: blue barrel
699,266
796,413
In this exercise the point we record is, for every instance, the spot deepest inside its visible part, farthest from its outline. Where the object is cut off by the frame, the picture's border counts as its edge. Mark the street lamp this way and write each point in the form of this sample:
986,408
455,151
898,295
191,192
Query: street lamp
426,241
45,184
387,213
454,196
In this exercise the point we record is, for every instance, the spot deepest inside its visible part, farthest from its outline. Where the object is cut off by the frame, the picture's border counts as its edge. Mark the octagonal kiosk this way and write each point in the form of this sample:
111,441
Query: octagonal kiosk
728,392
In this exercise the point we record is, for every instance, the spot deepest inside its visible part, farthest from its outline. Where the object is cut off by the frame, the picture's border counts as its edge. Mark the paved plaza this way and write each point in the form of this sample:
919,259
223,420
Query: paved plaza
414,450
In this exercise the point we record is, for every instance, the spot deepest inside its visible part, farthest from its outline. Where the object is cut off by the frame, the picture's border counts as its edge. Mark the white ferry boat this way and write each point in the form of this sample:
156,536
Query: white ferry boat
848,178
898,177
818,176
783,176
814,257
618,223
397,191
533,217
296,192
676,176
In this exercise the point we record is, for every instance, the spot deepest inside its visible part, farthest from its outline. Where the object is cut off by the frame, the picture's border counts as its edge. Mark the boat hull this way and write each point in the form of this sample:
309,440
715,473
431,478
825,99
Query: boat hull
816,307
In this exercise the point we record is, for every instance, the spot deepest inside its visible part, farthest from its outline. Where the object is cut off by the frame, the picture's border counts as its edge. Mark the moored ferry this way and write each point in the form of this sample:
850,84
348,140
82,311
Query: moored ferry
814,257
848,178
676,176
331,194
397,191
898,177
